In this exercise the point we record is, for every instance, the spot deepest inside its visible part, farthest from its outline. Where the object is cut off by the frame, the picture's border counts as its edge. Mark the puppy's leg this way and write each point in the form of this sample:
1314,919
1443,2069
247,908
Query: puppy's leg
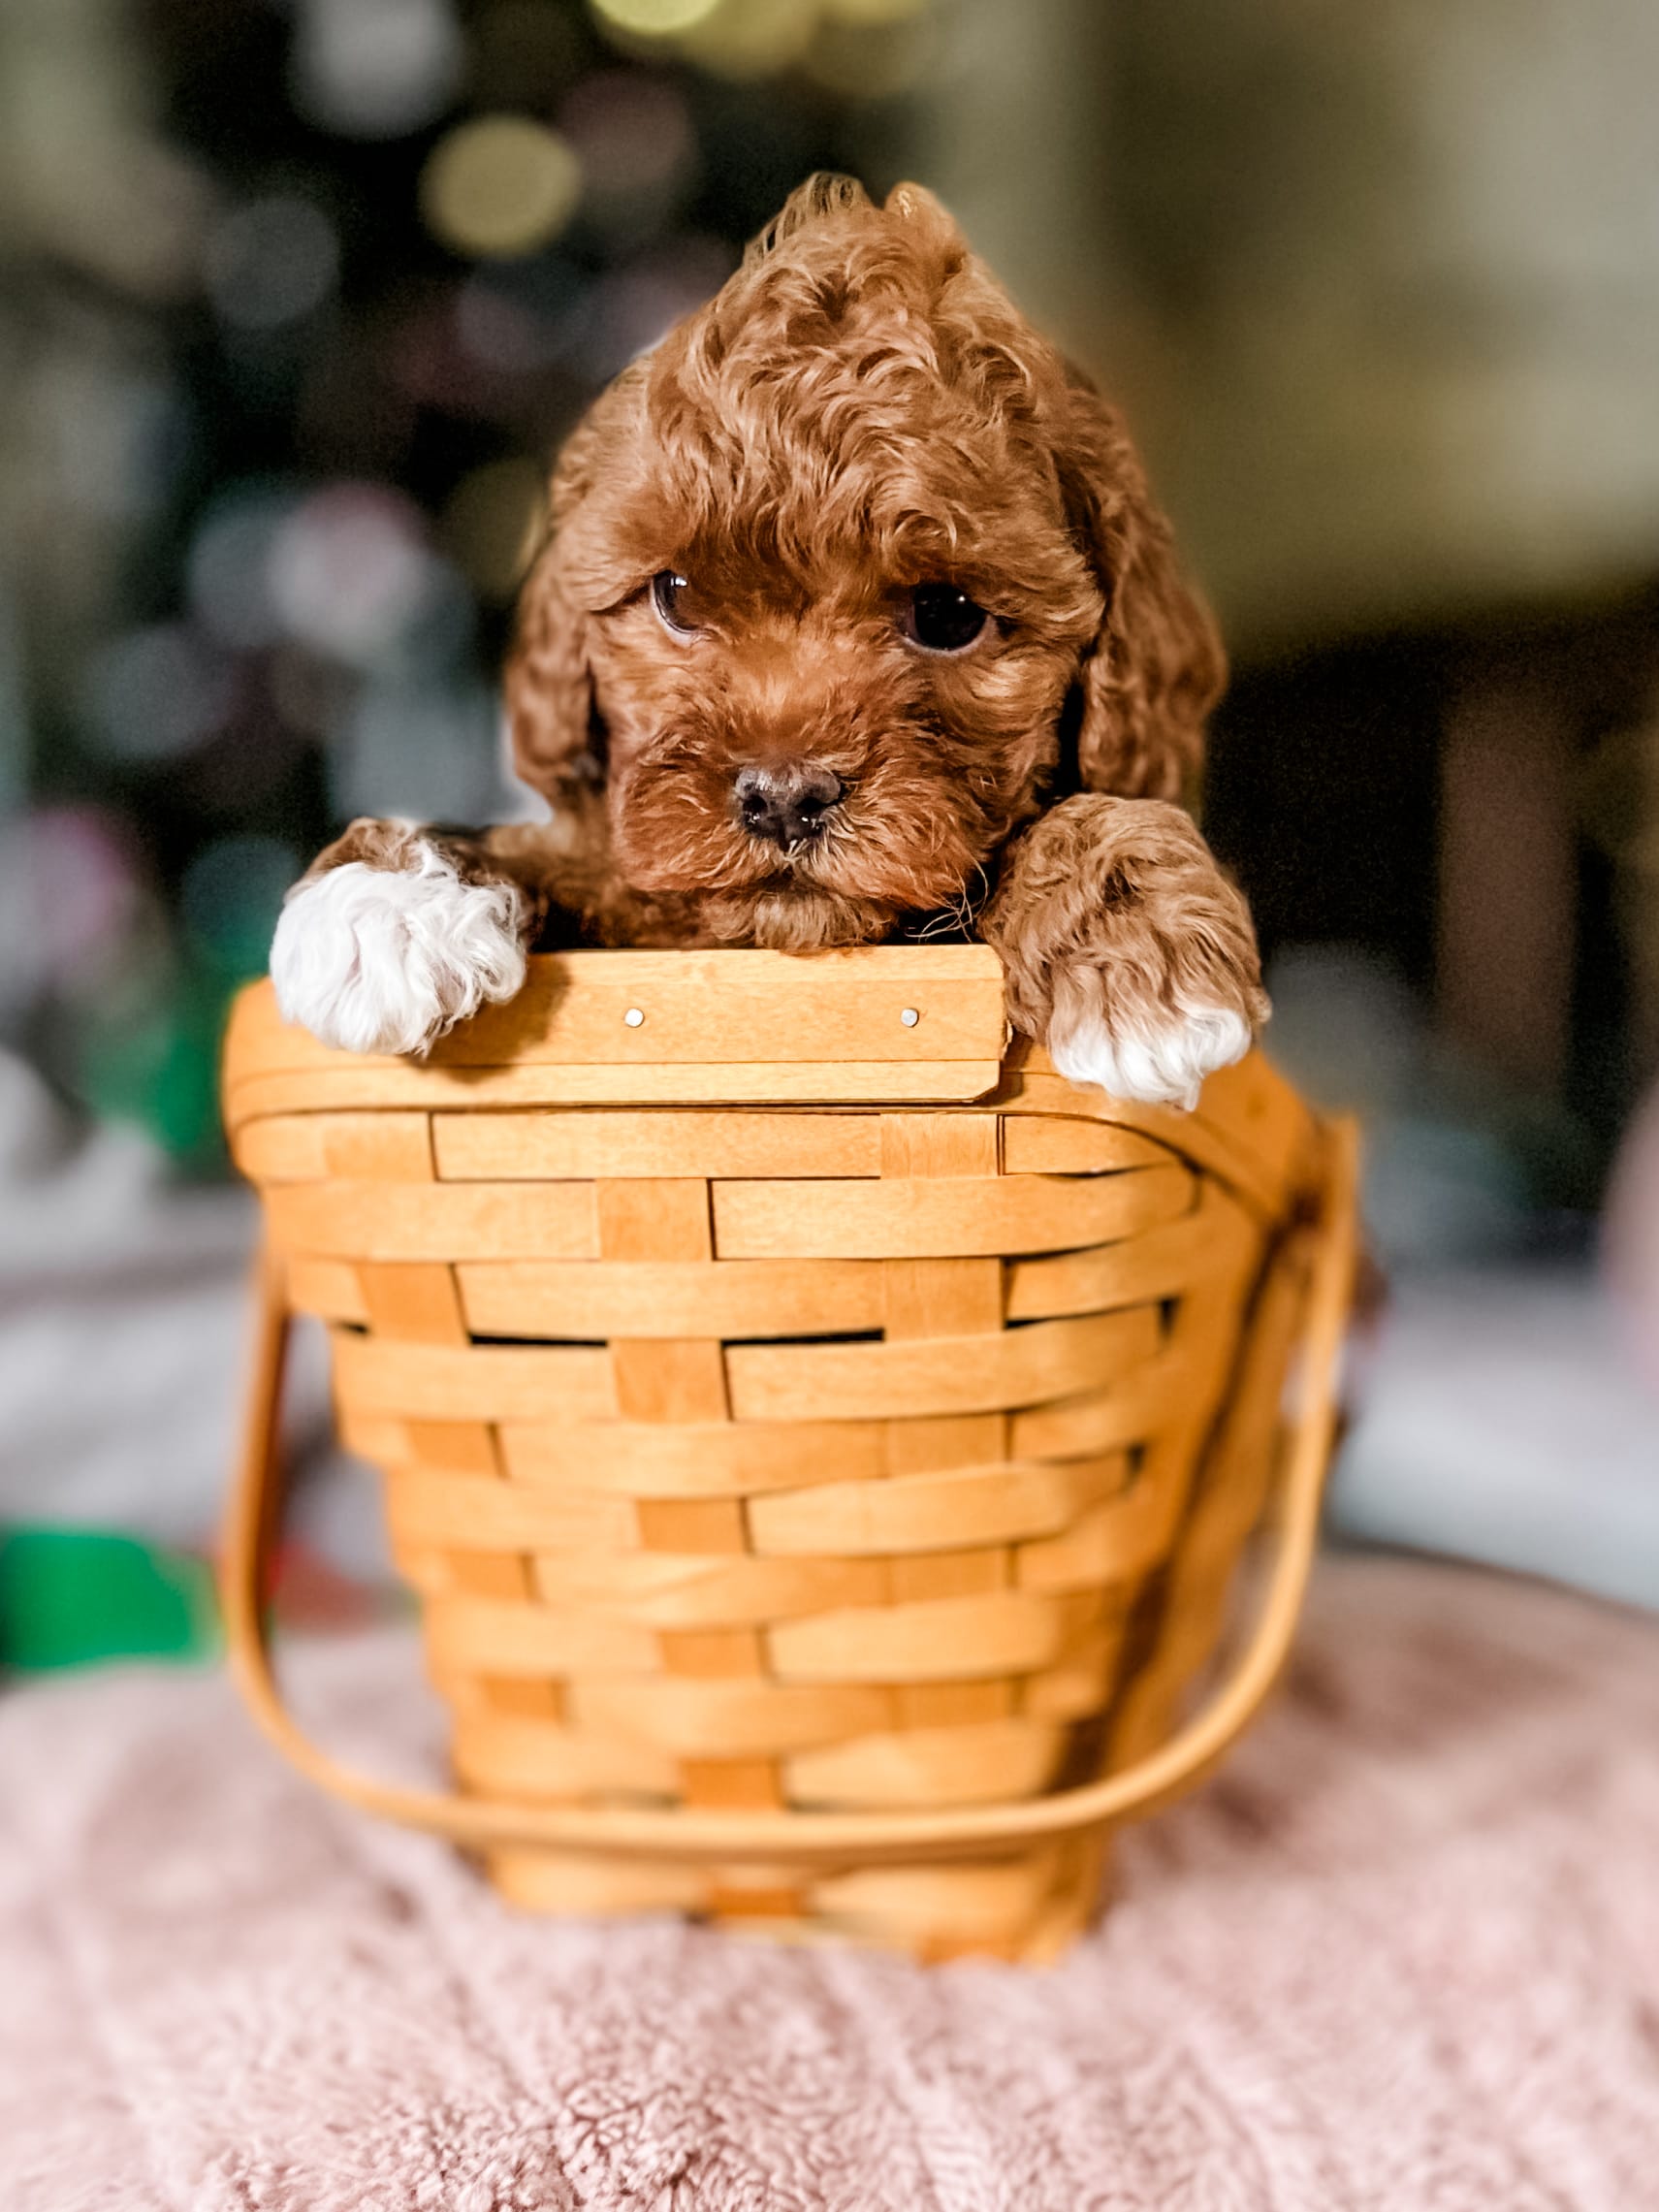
1129,953
396,932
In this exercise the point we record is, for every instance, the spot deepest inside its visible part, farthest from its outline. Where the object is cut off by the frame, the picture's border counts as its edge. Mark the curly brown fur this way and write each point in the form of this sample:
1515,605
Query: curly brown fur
859,412
1112,918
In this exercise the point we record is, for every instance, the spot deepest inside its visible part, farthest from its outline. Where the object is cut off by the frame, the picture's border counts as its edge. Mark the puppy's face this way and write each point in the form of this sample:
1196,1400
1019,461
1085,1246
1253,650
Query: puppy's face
833,683
819,588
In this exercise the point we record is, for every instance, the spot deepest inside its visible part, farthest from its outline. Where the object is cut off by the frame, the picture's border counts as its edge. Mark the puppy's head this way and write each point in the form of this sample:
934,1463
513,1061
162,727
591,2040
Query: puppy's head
845,578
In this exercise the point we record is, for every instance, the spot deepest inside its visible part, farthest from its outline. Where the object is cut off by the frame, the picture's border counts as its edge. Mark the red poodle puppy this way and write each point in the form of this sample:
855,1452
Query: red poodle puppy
854,623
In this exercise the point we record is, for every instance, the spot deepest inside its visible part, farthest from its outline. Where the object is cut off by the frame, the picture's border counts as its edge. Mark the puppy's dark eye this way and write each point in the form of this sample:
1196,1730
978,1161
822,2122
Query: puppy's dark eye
669,593
940,619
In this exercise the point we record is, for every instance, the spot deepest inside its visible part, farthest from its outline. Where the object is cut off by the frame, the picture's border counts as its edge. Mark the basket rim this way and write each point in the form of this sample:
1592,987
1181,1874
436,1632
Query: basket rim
1250,1128
922,1023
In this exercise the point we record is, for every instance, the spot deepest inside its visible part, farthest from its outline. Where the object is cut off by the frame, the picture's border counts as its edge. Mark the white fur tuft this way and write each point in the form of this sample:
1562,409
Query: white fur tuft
380,960
1157,1063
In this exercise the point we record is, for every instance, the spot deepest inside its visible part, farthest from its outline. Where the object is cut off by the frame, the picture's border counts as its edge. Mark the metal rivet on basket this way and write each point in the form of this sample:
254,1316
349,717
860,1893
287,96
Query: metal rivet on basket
633,1017
909,1018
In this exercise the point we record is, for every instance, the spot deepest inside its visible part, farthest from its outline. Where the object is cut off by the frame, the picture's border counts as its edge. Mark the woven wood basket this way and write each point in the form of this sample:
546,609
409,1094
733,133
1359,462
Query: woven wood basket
823,1439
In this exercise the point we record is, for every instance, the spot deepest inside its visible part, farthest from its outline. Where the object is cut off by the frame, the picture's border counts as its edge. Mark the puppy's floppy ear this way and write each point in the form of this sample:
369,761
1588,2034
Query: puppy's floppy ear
548,684
1157,667
549,690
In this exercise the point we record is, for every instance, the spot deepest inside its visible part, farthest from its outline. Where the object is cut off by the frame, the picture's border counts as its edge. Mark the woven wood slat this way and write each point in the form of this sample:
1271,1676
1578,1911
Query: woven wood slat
541,1147
730,1718
925,1300
1260,1166
1035,1144
963,1904
696,1459
947,1639
405,1304
712,1590
679,1378
435,1222
982,1374
423,1507
1079,1686
567,1881
479,1382
1004,1504
942,1218
375,1084
1104,1420
548,1759
728,1008
504,1636
1215,1235
392,1147
330,1289
1112,1541
671,1297
934,1442
976,1763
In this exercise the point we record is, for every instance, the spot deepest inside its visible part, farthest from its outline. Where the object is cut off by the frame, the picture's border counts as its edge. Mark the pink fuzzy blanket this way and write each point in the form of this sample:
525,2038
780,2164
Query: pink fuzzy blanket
1403,1955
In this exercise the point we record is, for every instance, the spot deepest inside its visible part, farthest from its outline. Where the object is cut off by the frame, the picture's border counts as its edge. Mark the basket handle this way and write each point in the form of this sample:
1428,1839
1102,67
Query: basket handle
965,1832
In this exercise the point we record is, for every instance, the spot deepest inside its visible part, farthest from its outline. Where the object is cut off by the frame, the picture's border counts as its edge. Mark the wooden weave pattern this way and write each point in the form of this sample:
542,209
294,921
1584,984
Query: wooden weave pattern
861,1453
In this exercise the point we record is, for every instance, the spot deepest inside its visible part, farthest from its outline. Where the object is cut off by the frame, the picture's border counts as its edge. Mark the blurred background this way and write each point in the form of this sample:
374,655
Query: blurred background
298,296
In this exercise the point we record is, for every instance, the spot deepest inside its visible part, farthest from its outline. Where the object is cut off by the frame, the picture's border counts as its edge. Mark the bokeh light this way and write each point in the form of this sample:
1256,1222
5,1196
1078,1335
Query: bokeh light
654,19
271,261
744,39
376,69
350,571
68,893
869,14
154,692
504,334
494,520
412,745
634,137
227,575
230,897
500,186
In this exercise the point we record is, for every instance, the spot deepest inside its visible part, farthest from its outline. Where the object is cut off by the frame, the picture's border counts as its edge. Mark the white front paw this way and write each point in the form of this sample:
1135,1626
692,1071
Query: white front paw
1156,1059
380,960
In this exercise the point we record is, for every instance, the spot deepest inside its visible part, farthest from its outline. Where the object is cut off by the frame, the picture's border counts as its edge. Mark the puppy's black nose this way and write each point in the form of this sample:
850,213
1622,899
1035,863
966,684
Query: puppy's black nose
785,801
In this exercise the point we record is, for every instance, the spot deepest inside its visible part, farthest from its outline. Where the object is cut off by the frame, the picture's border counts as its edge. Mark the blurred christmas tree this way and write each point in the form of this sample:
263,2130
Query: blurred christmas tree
298,294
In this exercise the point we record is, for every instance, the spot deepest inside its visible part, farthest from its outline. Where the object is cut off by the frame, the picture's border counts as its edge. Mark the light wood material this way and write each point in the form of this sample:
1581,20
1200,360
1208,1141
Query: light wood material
720,1026
945,1217
781,1481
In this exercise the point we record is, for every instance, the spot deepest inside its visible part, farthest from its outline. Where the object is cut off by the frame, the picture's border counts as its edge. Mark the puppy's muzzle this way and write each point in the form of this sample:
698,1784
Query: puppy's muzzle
786,802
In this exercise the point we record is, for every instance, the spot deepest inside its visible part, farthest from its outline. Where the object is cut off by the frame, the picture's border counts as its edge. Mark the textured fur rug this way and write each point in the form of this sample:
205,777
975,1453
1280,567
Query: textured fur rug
1402,1955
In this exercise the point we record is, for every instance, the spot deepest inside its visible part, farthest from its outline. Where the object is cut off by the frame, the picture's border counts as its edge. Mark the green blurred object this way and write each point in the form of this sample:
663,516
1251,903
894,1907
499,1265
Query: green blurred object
73,1598
156,1064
